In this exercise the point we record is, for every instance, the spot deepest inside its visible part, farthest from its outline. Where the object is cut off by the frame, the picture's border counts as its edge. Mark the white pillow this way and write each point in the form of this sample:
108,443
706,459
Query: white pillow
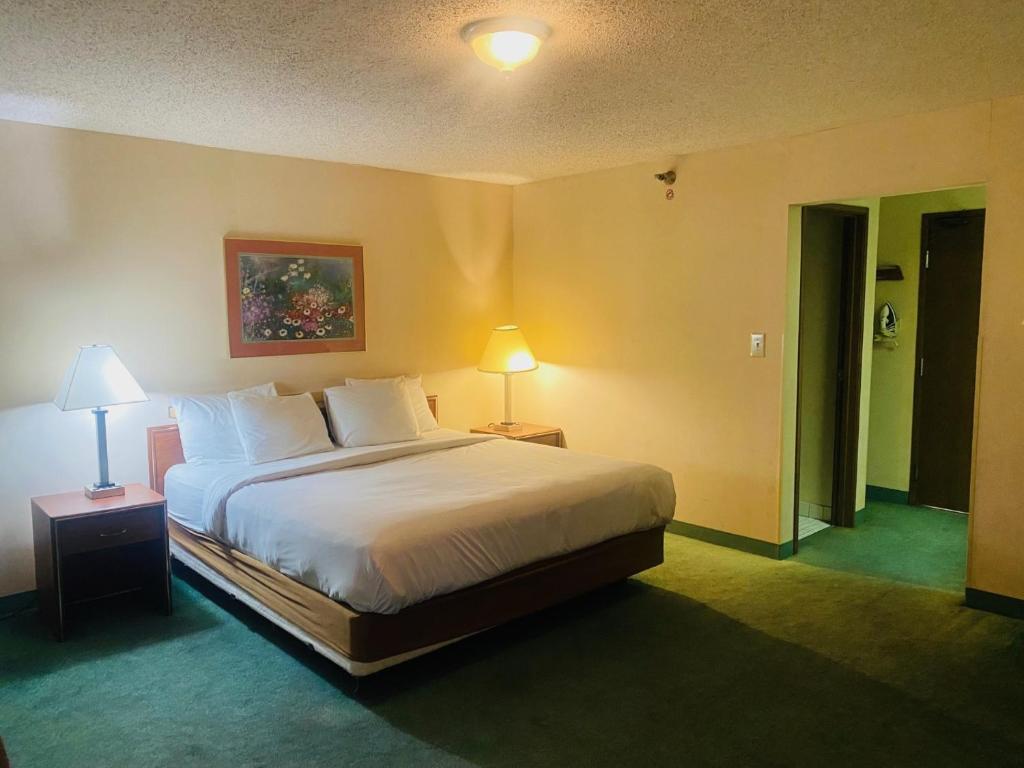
207,427
414,384
272,428
365,415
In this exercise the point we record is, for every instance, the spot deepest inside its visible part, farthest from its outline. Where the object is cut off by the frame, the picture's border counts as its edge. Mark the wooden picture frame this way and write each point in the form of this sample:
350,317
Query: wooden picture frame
293,298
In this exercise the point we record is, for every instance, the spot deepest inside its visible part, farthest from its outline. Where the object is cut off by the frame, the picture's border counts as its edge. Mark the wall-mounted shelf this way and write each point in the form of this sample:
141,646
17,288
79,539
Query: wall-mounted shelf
889,272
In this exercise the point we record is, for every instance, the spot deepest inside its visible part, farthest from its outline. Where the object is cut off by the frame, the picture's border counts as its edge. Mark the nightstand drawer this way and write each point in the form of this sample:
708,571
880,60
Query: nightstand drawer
113,529
553,439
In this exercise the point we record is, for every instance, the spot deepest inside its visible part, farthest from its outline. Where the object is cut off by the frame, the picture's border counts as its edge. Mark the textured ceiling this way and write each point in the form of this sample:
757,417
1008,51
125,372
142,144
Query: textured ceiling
389,83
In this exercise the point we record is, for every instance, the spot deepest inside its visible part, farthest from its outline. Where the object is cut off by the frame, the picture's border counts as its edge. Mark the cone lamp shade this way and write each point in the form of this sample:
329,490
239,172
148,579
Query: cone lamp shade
95,379
507,353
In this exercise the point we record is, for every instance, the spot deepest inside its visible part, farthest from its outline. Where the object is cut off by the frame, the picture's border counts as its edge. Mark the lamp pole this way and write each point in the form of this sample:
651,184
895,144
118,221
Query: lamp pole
101,447
508,401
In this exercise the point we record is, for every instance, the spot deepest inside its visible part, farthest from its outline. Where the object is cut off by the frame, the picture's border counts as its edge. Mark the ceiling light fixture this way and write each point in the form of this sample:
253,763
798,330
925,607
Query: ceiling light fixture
506,43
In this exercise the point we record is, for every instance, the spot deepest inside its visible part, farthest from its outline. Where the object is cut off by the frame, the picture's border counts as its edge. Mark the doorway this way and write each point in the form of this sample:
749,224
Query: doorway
833,263
949,304
921,321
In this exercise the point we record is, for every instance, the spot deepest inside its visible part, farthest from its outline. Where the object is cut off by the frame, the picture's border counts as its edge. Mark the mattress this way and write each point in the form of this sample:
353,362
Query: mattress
387,527
184,486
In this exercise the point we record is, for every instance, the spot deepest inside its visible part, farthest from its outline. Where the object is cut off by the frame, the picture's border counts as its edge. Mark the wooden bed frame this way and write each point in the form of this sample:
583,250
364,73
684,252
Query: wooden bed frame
364,643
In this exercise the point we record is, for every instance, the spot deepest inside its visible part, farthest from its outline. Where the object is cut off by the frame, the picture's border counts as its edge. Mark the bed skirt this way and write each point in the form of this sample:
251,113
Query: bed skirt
372,641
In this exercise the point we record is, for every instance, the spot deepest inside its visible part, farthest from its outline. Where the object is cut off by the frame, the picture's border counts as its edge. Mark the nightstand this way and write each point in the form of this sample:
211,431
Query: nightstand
528,433
91,548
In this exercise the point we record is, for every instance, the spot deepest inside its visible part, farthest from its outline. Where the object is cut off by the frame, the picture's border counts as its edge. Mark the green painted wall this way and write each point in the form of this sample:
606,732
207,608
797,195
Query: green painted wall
893,367
873,204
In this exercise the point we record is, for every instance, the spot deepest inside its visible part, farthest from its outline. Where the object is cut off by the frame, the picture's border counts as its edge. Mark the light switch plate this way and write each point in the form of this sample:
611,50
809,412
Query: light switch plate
757,345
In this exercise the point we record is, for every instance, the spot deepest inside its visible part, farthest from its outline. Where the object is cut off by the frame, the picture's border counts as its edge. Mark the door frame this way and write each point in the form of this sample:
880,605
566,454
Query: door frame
853,289
922,291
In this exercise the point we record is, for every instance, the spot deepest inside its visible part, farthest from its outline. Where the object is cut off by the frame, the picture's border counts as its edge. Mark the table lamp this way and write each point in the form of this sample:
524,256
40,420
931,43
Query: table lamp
507,353
97,378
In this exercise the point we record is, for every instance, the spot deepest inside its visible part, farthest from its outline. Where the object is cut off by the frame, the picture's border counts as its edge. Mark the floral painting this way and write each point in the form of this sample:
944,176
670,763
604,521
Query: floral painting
302,300
302,297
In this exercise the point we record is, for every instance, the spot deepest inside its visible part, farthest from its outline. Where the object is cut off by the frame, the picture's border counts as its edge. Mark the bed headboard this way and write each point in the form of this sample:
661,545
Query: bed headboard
164,446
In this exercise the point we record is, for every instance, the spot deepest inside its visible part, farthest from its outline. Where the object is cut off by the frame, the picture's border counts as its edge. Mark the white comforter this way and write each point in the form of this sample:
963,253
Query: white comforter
385,527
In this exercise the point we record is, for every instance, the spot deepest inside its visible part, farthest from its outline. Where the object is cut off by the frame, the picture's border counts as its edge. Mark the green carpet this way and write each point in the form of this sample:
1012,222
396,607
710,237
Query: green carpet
717,658
917,545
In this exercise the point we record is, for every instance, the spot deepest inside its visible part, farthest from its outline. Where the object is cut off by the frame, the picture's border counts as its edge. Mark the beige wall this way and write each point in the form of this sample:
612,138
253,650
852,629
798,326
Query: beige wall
893,370
113,239
641,310
996,554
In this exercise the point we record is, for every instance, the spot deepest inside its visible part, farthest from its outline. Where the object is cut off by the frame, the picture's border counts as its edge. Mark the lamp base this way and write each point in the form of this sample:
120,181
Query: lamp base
506,426
104,493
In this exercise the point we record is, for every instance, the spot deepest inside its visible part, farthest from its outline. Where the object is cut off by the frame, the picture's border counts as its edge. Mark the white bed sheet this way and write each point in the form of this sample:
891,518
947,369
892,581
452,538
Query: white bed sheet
195,492
184,488
381,535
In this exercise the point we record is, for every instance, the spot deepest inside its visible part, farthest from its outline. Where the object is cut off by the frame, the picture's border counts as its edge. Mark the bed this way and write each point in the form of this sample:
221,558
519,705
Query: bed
373,556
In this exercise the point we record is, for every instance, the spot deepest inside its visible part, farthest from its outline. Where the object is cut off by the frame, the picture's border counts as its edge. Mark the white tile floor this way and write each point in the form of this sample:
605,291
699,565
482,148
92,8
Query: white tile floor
809,526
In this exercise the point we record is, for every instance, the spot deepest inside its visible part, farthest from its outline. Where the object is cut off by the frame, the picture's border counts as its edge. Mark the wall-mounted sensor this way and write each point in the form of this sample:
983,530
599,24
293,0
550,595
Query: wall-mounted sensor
668,177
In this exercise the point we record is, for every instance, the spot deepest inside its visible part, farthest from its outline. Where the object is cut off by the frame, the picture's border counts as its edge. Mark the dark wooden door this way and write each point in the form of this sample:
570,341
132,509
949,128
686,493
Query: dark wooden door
848,242
849,365
947,349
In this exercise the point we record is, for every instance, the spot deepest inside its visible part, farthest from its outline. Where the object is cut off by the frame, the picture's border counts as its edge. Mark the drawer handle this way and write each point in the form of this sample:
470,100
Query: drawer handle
111,535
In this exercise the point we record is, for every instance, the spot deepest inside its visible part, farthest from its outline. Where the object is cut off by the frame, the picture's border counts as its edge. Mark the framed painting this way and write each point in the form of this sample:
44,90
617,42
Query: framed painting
288,298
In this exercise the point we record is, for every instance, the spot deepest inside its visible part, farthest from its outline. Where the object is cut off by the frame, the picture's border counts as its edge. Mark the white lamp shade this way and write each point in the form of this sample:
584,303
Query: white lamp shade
96,378
507,352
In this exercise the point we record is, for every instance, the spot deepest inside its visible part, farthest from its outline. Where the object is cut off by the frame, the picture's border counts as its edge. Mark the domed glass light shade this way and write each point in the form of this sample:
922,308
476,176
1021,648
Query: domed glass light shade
506,43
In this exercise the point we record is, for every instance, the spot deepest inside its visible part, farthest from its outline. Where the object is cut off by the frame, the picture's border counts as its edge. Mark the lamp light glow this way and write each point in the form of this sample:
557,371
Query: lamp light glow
506,43
507,353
